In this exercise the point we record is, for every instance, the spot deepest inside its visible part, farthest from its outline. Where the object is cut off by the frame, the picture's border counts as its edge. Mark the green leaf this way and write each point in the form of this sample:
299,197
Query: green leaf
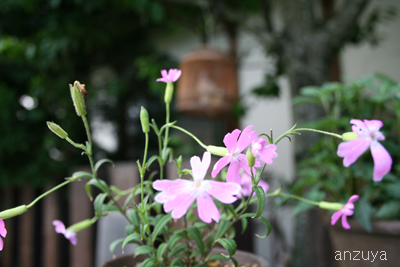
268,224
389,211
132,238
101,162
160,225
177,262
150,161
114,244
98,183
174,239
179,248
133,217
195,234
98,203
219,257
83,175
244,224
261,200
161,250
363,213
222,227
144,249
149,262
228,244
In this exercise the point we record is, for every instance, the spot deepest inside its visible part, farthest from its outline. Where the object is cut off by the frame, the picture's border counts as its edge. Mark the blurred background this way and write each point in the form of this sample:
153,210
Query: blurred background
243,62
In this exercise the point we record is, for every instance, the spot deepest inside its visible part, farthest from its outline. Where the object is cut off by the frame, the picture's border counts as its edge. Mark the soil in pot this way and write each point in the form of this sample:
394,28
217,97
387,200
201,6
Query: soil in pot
244,259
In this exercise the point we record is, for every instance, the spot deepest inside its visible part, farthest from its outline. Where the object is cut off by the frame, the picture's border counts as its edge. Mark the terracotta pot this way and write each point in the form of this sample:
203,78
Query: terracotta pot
357,248
244,258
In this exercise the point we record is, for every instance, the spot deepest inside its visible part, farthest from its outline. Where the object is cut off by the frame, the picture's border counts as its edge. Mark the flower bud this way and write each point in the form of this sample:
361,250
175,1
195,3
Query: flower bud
349,136
13,212
77,98
55,128
251,160
218,151
144,119
169,91
330,205
79,226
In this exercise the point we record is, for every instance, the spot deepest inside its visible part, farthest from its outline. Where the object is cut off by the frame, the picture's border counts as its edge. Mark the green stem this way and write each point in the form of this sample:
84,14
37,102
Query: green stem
298,198
319,131
75,144
143,165
190,134
167,128
46,193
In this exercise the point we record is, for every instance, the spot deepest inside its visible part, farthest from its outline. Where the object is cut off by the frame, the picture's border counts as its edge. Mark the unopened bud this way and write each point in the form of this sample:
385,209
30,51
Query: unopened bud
349,136
55,128
13,212
251,160
330,205
144,119
218,151
79,226
169,91
77,98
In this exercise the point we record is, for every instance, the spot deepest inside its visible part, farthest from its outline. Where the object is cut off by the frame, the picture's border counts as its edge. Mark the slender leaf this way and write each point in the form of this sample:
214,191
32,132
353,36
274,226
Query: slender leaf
98,203
149,262
132,238
244,224
261,200
101,162
195,234
222,227
268,224
144,249
160,225
161,250
228,244
114,244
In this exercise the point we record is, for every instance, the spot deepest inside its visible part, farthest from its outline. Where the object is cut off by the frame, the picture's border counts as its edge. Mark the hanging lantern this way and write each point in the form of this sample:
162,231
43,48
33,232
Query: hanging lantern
208,85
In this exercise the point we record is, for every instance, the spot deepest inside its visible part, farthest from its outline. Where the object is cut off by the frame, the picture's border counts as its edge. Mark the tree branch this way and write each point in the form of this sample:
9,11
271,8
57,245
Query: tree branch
340,27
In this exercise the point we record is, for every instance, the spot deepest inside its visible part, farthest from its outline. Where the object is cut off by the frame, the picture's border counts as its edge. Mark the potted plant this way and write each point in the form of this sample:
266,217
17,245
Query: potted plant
378,210
202,204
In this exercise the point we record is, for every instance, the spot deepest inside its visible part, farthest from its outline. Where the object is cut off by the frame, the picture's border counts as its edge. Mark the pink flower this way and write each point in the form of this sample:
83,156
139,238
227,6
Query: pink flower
60,229
369,134
235,157
3,233
171,76
346,211
179,194
264,153
247,185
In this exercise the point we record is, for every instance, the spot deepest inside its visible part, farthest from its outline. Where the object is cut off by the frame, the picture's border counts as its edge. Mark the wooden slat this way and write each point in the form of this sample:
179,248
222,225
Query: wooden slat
80,208
124,175
8,250
50,213
27,229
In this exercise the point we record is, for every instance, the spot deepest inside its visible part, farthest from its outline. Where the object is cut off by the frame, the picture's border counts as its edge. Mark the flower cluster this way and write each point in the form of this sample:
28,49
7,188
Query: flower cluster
242,181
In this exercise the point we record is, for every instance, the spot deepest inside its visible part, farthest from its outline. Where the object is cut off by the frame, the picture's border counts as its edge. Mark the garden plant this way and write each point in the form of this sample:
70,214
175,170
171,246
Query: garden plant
203,204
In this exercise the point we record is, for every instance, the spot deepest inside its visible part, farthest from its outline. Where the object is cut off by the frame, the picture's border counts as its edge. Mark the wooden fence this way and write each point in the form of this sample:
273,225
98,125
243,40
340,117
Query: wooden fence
31,240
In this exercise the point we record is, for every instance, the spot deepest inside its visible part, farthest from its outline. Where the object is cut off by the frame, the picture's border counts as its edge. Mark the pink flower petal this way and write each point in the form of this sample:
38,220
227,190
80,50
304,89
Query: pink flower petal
1,244
207,209
224,192
382,161
174,74
221,163
267,153
335,217
179,205
199,168
373,125
3,230
353,198
246,138
59,227
233,173
352,150
359,127
230,140
243,164
71,236
345,224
